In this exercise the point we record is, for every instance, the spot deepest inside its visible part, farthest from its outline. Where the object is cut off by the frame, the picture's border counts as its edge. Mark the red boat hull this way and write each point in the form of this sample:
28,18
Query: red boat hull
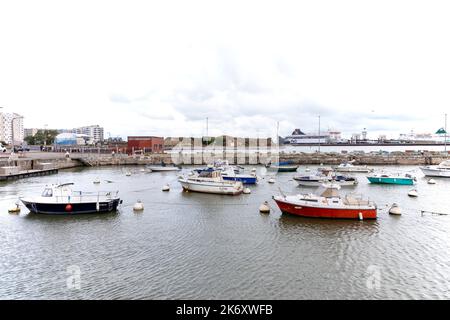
333,213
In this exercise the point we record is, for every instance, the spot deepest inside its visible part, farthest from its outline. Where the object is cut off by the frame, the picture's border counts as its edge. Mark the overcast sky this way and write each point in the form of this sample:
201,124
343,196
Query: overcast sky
161,68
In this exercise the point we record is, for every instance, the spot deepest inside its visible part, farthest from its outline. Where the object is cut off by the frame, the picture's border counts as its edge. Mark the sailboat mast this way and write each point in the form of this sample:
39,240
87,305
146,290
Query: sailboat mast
445,136
319,133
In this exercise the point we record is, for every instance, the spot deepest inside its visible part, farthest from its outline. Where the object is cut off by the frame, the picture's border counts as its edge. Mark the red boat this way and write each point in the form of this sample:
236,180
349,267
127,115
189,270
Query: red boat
328,204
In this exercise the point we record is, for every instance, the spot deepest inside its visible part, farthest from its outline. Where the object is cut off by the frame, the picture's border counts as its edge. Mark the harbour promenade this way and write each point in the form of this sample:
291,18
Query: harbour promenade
57,160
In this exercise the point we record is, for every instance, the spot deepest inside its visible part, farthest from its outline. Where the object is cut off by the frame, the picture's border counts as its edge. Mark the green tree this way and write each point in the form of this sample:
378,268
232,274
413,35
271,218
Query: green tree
42,137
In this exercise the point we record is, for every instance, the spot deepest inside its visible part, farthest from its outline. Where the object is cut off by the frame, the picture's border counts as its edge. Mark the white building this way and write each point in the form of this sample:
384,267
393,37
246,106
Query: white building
11,127
94,132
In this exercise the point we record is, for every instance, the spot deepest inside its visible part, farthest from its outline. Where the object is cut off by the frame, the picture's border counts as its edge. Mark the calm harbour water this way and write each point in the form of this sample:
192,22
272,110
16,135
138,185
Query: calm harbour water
199,246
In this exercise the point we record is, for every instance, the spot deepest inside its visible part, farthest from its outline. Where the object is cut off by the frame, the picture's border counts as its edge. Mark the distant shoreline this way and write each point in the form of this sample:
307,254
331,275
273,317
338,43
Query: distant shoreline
364,144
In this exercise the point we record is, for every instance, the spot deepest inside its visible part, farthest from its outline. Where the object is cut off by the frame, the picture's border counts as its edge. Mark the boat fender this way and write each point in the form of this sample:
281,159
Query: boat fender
360,215
68,207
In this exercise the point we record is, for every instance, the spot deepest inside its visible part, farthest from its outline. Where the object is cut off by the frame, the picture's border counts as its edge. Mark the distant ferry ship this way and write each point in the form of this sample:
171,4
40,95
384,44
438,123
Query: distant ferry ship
299,137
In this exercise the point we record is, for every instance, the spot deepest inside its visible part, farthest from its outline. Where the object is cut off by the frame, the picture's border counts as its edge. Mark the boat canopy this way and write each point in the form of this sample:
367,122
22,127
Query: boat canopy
329,190
445,163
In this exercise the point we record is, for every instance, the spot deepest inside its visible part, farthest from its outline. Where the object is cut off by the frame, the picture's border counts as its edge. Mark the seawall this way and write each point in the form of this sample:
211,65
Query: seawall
58,161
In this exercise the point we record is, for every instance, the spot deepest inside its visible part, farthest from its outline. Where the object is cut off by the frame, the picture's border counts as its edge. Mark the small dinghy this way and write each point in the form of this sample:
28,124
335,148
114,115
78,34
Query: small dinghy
60,199
286,166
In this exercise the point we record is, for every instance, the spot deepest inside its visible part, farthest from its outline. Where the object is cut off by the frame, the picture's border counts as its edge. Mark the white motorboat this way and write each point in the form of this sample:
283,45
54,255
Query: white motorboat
60,199
348,167
211,182
440,170
323,176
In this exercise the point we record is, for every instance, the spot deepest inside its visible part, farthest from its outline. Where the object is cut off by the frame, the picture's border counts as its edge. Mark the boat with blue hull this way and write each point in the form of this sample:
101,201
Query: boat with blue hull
398,179
286,166
231,175
241,178
61,200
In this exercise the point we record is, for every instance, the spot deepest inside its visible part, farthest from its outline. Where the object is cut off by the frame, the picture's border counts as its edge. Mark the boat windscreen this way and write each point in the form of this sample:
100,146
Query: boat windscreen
48,192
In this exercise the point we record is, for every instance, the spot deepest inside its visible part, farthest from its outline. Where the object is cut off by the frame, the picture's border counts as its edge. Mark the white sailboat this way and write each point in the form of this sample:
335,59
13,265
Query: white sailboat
211,182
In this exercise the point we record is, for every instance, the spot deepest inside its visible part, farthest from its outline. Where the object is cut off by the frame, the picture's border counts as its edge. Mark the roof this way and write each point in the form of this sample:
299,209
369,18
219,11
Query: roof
143,137
297,132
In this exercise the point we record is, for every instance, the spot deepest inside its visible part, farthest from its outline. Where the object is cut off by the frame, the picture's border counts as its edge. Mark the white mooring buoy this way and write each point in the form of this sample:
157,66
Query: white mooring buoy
97,181
247,191
138,206
431,181
14,209
264,208
395,210
271,180
166,187
128,173
413,193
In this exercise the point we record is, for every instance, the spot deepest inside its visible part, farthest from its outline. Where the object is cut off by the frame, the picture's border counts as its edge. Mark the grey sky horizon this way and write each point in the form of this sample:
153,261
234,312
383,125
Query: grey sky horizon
161,68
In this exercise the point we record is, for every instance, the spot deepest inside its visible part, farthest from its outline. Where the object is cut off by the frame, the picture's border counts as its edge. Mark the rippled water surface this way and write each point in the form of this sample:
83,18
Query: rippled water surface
199,246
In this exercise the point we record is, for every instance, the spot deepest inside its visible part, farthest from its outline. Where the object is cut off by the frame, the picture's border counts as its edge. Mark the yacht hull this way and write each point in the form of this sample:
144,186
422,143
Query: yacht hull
211,187
385,180
304,210
434,172
71,208
163,169
245,180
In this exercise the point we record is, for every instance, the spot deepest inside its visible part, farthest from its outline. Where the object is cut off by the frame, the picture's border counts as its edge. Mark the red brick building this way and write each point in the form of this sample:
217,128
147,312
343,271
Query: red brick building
145,144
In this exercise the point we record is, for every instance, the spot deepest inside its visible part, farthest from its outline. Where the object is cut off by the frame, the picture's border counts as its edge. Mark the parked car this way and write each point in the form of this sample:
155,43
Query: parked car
21,148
